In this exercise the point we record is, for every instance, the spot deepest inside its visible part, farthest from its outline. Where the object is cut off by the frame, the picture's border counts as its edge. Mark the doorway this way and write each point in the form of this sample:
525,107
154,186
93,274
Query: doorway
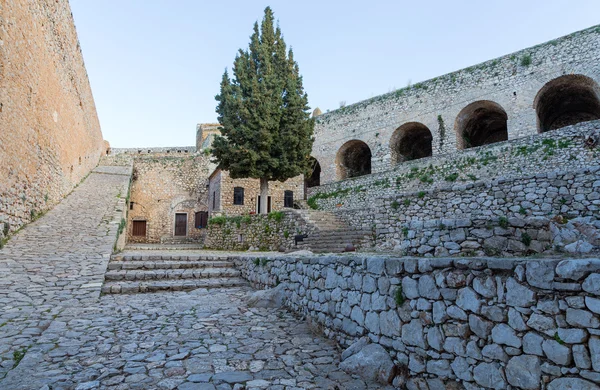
180,224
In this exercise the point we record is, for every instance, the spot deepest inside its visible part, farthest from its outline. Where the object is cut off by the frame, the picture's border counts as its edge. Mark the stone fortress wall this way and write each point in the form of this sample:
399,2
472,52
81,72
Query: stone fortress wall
453,323
506,98
51,137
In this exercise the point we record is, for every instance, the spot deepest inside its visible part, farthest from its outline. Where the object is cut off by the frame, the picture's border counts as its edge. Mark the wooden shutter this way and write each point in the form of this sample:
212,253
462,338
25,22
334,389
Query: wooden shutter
139,229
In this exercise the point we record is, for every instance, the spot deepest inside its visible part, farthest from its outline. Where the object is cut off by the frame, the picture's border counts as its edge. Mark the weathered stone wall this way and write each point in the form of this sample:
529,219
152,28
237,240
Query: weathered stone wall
273,232
490,323
155,151
532,214
50,136
512,82
223,185
163,186
562,150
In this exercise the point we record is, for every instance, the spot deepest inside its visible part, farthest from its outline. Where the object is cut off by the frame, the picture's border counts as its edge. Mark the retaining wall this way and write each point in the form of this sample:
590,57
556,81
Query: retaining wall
477,322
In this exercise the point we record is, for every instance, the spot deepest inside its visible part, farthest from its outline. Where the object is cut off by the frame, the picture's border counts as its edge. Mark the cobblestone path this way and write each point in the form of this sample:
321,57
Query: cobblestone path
56,332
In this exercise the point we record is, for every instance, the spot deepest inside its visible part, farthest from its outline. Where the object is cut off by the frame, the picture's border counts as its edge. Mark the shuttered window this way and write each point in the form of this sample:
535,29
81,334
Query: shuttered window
201,219
139,229
238,195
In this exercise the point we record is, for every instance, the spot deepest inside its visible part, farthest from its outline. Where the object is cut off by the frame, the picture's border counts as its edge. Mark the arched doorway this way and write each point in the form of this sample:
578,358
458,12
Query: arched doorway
567,100
410,141
353,159
481,123
313,176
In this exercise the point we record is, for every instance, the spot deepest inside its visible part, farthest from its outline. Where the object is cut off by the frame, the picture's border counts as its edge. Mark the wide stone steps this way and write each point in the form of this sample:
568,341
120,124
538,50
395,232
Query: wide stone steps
135,287
141,271
162,264
202,273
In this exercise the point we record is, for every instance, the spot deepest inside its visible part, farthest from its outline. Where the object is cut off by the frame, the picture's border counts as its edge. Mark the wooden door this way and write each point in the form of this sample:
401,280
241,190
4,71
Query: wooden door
180,224
139,229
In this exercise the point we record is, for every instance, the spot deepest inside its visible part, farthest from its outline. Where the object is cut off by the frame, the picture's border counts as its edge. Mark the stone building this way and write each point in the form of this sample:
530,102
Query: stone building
242,196
174,190
50,137
535,90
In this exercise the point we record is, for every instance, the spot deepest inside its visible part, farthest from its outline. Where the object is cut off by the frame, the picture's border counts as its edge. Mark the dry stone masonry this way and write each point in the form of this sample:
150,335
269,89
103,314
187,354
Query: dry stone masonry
460,323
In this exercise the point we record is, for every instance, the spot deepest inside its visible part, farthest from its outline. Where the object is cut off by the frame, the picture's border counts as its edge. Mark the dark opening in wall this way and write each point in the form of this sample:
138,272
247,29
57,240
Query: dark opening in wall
410,141
238,195
481,123
314,178
567,100
353,159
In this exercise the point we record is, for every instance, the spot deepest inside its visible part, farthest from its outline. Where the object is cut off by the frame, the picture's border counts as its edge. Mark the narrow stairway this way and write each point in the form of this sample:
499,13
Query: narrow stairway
144,271
332,234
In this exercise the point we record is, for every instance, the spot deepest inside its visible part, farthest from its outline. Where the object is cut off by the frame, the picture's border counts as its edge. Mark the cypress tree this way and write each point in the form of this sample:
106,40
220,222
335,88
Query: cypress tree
267,132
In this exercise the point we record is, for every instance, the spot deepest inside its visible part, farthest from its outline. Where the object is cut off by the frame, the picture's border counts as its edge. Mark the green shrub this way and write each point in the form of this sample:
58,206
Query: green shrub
256,261
399,296
277,216
421,194
286,234
503,222
526,60
526,239
395,205
522,210
407,202
451,177
220,220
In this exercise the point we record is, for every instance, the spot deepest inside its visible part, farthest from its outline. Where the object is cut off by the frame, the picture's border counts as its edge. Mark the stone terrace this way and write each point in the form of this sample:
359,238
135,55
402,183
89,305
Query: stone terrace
57,332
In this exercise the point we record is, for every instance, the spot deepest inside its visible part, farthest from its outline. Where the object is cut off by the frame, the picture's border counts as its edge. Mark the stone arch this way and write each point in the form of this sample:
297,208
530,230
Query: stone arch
353,159
410,141
481,123
313,178
567,100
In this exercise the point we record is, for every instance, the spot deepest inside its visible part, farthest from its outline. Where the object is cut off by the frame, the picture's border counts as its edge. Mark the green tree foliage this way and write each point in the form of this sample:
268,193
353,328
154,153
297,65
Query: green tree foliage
267,132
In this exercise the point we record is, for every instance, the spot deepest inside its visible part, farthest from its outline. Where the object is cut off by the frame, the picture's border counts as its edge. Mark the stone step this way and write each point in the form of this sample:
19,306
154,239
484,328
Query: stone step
196,273
135,287
166,257
166,264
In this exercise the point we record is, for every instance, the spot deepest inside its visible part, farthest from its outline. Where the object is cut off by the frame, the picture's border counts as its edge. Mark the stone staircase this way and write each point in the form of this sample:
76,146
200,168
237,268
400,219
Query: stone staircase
331,233
145,271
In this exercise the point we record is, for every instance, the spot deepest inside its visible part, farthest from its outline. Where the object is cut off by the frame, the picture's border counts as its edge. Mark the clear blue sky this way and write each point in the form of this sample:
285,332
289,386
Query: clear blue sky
155,65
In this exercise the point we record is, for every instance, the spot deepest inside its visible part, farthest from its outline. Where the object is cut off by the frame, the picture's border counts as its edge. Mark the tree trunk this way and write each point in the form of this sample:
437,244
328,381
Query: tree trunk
264,195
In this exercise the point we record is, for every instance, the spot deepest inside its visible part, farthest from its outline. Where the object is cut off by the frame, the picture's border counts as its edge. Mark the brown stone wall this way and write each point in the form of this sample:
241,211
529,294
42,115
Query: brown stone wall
50,135
224,185
164,186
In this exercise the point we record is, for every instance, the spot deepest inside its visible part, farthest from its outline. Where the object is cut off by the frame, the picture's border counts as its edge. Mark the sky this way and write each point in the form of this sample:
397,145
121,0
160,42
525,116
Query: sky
155,65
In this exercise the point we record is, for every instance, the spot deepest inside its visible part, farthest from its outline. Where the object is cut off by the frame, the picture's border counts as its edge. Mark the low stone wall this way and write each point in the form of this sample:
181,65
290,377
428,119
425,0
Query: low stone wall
256,232
518,216
176,150
477,322
562,149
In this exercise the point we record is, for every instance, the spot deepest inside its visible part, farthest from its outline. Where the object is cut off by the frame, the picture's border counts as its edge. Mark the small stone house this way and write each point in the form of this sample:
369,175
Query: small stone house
241,196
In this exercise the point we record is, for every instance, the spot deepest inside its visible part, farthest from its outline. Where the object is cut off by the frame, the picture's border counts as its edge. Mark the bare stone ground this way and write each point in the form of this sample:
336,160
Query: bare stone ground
56,332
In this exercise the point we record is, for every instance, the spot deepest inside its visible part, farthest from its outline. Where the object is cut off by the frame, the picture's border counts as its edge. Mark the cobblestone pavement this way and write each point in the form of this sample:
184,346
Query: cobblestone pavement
56,332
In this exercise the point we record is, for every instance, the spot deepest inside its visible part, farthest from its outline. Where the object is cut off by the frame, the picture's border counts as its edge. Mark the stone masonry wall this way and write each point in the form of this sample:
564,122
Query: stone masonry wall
273,232
512,81
562,150
464,323
533,214
50,138
224,185
163,186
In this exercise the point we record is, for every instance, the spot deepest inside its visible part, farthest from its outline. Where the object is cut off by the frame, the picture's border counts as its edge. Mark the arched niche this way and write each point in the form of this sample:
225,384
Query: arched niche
313,178
353,159
565,101
481,123
410,141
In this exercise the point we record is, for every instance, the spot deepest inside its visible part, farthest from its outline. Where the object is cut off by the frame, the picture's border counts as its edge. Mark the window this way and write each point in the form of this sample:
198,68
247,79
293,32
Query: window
130,205
288,199
201,219
139,229
238,195
214,200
